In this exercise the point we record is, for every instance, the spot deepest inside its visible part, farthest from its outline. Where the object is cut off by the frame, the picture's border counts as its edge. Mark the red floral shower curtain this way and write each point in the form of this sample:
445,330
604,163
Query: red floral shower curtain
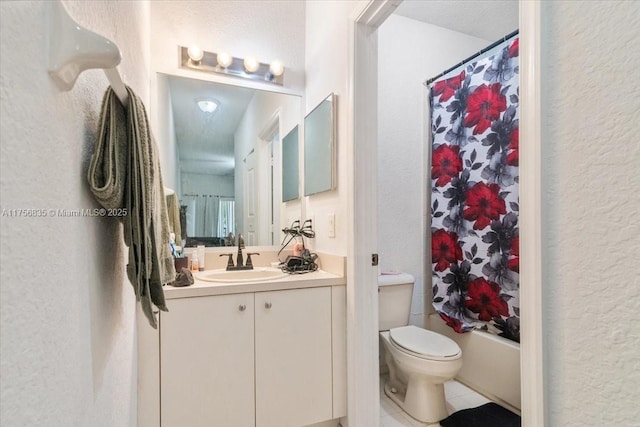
474,200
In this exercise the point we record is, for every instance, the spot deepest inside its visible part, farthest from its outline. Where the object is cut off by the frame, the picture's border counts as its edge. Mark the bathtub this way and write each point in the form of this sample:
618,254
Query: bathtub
481,351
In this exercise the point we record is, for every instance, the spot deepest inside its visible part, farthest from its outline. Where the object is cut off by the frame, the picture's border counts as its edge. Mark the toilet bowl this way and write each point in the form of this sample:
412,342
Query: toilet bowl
419,361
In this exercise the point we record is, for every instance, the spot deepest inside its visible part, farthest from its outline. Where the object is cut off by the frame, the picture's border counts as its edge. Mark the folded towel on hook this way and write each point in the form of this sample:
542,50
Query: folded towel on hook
125,173
173,210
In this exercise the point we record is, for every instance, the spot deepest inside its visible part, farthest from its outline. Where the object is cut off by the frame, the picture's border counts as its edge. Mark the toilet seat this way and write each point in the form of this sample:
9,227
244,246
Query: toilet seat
424,344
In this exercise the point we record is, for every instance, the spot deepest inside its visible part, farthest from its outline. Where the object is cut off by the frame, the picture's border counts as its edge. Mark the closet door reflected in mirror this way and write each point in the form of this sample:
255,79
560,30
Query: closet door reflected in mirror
319,148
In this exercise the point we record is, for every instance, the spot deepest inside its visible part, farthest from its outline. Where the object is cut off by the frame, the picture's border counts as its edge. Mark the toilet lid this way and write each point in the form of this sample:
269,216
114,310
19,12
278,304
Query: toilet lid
425,343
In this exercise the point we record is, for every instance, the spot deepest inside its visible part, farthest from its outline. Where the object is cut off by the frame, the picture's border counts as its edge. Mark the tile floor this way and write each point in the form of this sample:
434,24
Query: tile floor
458,396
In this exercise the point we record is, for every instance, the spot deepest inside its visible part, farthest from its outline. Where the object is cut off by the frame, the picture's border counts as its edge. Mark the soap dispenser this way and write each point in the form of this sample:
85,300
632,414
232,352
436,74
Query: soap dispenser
194,261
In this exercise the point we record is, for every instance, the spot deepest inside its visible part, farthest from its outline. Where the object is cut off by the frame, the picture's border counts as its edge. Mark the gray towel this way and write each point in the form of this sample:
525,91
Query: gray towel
125,173
173,210
107,170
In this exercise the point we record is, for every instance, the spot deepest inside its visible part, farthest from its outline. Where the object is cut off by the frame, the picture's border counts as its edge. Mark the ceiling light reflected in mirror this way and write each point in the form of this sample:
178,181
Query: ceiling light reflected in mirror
207,105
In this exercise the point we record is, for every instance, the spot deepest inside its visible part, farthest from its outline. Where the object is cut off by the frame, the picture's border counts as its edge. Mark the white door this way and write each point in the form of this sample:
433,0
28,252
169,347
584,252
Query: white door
206,362
293,357
269,193
274,191
250,232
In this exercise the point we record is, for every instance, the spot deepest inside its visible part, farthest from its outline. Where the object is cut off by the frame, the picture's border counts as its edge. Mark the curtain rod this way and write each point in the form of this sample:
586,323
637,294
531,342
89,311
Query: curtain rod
475,55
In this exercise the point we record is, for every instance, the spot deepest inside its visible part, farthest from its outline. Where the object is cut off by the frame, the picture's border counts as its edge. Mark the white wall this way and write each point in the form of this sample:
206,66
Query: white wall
326,62
67,310
409,52
591,231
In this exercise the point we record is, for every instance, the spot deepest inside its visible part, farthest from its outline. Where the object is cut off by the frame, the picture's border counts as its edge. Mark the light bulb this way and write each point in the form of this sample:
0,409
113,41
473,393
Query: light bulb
276,68
224,59
251,64
195,53
207,105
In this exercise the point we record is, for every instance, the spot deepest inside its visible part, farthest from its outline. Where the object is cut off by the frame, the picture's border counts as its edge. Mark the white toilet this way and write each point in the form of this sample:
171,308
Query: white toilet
419,361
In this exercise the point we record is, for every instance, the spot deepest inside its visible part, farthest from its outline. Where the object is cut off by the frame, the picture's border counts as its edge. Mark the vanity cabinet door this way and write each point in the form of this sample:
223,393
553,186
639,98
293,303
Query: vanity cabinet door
293,357
207,362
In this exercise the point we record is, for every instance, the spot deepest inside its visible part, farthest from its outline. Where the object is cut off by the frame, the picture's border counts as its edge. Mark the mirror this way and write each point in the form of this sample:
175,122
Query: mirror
319,141
290,161
228,161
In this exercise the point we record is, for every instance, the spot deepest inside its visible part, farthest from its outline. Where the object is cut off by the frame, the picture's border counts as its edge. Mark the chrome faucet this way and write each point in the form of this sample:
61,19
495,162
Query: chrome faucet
239,258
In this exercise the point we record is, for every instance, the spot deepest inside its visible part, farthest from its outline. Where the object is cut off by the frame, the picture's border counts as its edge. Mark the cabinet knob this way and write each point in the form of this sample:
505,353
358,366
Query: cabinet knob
242,307
267,305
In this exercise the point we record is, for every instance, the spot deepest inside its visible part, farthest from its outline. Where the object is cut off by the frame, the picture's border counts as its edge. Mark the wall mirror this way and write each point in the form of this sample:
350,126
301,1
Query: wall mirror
228,157
319,148
290,166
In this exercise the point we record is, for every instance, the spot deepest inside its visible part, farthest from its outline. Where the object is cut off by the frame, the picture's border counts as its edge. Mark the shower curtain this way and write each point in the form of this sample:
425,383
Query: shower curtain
226,216
202,214
210,216
474,194
191,201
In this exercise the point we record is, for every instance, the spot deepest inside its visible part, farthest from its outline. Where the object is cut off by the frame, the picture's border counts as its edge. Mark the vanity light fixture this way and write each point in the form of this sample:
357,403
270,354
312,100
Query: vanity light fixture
195,54
251,64
276,68
194,58
207,105
224,59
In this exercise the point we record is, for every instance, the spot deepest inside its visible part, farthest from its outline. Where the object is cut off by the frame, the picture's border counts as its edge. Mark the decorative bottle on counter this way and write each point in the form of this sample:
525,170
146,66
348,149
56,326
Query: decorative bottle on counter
194,261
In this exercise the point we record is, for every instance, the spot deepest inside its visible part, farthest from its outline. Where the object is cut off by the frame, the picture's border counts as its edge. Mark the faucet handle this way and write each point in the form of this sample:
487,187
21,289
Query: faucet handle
249,263
230,261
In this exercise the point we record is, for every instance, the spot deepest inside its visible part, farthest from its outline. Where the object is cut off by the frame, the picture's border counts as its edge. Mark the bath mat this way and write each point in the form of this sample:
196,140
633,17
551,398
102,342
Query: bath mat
487,415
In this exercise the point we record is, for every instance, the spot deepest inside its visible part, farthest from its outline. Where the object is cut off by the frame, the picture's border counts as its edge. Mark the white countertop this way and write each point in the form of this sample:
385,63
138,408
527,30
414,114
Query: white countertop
291,281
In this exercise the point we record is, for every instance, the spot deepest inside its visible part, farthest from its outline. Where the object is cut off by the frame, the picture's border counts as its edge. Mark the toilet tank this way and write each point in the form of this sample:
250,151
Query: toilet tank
394,300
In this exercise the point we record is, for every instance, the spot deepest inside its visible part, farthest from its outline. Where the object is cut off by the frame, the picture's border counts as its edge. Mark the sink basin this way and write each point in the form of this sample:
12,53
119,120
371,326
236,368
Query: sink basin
240,276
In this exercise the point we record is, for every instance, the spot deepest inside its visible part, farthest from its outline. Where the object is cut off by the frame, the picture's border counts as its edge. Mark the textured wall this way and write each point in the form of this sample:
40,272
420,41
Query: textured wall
591,227
409,52
67,311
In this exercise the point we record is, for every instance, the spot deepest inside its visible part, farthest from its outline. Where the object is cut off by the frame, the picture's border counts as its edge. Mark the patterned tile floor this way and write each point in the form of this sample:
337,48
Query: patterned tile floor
458,396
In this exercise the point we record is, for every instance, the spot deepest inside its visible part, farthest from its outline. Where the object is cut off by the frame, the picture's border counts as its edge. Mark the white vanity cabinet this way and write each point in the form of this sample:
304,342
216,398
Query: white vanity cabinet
207,362
263,359
293,357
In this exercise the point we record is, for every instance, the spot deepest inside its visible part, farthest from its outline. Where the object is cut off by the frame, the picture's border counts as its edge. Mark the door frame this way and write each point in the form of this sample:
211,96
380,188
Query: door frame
362,307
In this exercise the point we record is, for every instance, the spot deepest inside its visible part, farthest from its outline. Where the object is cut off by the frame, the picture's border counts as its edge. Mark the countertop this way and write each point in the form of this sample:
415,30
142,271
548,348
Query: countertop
200,288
